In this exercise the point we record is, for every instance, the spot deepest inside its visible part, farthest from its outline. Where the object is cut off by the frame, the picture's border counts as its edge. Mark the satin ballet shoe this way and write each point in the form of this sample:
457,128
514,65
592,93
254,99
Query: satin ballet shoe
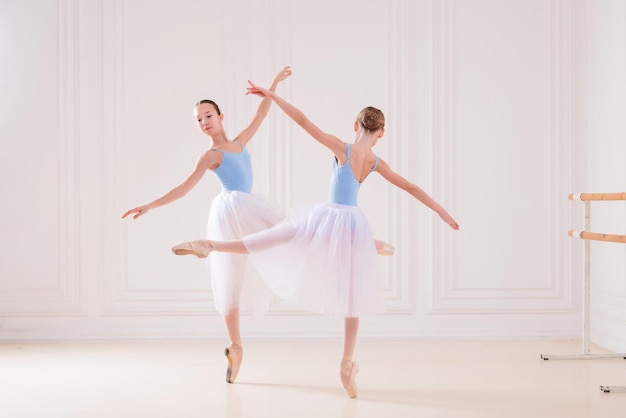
200,248
234,355
387,249
348,372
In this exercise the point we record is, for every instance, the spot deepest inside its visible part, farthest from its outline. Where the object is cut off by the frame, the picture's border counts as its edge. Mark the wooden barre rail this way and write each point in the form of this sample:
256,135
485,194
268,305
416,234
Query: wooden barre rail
597,236
597,196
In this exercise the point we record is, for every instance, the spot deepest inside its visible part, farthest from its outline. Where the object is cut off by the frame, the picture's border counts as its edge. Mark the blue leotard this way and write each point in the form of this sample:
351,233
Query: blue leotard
235,171
344,187
235,213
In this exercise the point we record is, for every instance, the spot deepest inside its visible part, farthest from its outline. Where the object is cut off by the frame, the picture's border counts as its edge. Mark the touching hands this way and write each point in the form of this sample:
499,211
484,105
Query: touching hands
258,91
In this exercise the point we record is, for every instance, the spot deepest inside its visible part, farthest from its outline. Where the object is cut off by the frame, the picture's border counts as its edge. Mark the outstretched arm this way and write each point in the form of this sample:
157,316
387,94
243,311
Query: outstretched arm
330,141
203,164
415,191
246,135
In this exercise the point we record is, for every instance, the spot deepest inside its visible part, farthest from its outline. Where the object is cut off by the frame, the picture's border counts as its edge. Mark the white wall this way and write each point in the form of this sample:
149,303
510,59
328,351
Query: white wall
96,118
605,150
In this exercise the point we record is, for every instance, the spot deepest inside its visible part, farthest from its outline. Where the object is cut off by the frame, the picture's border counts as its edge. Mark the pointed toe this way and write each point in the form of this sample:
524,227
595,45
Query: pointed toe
386,249
234,355
348,372
197,248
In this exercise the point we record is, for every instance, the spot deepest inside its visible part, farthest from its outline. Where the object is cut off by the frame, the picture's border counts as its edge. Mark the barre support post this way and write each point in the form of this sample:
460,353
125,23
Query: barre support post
587,237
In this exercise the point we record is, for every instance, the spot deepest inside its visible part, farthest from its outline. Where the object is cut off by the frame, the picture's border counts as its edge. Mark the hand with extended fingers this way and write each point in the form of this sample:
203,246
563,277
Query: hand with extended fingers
258,91
449,220
283,74
138,211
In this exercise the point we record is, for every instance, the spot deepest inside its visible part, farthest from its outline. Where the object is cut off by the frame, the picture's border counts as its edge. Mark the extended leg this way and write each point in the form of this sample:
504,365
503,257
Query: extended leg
276,235
202,248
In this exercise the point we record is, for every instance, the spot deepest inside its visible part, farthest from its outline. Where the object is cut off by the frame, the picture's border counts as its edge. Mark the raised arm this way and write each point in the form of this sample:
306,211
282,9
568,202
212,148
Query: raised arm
202,165
247,133
397,180
336,145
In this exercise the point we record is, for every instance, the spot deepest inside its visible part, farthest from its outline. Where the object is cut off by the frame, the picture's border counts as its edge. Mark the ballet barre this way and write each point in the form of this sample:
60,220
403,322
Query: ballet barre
588,236
587,197
598,237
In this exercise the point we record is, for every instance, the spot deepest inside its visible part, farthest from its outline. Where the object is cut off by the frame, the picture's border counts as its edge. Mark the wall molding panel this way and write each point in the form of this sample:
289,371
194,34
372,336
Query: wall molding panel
122,297
554,295
401,64
64,298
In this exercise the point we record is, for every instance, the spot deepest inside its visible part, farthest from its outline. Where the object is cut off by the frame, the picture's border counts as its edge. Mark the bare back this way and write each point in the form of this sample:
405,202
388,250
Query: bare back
362,160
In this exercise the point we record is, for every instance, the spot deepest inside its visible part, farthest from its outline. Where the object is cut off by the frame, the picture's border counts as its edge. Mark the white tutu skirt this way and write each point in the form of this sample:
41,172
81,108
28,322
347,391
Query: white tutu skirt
232,216
322,258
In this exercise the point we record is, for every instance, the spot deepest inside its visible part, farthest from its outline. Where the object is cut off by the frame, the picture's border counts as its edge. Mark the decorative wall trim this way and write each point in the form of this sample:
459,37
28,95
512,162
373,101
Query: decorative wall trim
401,85
279,156
119,297
65,297
447,296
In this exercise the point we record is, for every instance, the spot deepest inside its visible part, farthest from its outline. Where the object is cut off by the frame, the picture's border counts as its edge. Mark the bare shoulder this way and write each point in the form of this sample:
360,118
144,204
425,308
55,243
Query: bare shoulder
391,176
210,160
336,145
382,166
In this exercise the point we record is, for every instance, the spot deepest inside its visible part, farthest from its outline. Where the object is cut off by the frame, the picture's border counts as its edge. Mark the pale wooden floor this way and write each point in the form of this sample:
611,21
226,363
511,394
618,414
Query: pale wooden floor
422,378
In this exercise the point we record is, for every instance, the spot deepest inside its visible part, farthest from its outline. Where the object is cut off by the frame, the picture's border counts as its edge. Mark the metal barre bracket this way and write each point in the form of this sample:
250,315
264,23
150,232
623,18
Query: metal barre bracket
611,389
583,356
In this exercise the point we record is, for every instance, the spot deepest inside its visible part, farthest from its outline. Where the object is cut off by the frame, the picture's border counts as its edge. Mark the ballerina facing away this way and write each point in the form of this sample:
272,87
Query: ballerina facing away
322,256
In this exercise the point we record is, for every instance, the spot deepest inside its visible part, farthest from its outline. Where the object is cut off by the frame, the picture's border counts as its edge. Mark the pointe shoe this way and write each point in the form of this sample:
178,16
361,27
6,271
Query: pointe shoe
234,355
348,372
200,248
387,249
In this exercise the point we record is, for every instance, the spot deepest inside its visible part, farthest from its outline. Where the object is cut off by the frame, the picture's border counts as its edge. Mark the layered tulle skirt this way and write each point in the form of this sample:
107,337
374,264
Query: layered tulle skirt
321,258
232,216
